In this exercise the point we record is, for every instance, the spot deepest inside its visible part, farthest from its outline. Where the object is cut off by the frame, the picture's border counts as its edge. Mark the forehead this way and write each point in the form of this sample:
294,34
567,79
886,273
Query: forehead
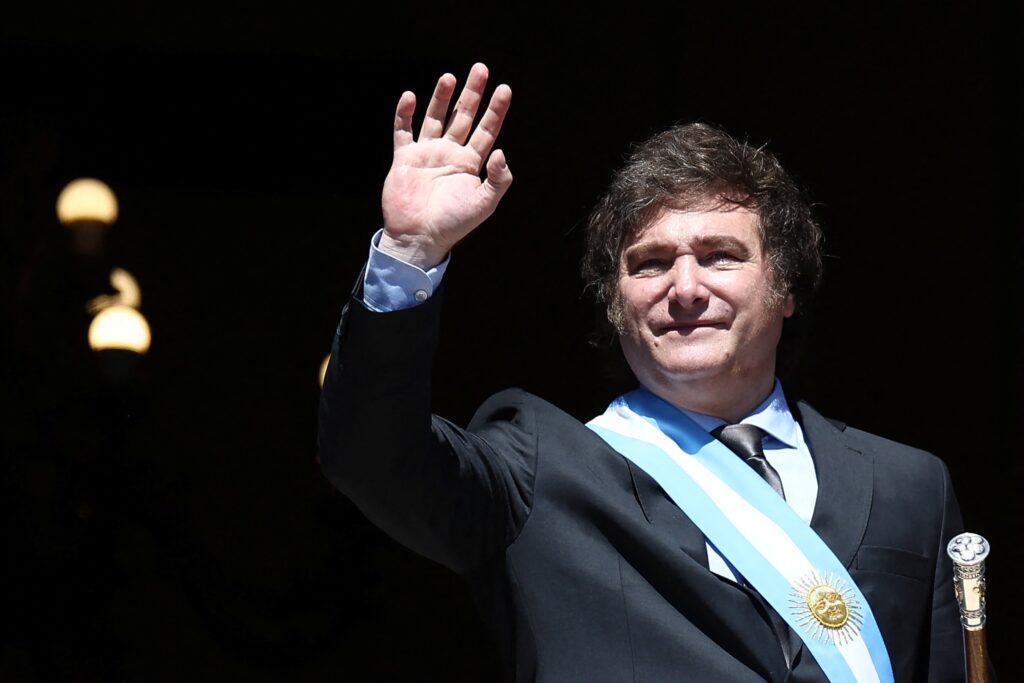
698,225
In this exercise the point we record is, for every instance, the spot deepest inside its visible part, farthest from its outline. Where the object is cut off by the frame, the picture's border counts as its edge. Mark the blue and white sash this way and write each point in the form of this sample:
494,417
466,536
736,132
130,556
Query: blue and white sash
756,530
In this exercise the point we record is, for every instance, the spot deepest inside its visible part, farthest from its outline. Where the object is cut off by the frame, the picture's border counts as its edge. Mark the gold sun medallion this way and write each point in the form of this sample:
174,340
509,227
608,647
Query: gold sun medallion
826,608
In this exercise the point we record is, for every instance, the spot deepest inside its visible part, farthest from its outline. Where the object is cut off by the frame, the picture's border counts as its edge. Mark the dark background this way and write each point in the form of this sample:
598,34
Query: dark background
173,524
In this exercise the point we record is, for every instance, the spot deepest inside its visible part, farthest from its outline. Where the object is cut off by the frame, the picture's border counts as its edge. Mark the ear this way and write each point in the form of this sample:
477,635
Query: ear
789,306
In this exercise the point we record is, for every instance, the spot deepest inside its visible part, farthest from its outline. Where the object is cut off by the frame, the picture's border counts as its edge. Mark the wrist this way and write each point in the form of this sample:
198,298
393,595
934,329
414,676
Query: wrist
415,250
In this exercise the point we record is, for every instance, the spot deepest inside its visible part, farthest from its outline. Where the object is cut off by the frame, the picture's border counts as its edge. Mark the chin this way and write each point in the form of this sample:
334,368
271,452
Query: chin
671,363
689,373
667,372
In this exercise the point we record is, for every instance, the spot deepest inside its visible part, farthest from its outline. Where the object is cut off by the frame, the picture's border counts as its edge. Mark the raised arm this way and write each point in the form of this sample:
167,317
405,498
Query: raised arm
453,495
433,195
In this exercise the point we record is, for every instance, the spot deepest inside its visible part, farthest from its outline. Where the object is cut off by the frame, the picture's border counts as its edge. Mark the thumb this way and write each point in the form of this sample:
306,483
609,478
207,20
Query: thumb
499,177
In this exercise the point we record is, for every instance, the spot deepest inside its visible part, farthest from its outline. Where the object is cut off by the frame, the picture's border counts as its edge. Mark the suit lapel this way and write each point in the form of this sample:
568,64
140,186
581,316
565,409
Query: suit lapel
845,485
660,511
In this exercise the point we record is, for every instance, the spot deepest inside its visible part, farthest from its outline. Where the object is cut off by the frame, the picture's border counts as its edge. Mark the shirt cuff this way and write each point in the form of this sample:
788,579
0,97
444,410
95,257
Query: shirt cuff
391,284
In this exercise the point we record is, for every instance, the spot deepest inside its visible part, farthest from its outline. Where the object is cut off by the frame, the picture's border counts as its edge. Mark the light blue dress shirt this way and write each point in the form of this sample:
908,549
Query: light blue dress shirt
391,285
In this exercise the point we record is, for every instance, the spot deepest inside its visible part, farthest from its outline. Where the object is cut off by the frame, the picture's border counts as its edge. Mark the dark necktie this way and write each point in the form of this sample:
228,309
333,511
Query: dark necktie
745,441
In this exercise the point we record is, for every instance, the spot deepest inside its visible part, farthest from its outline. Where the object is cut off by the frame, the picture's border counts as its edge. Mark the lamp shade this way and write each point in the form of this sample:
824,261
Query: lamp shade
119,327
86,199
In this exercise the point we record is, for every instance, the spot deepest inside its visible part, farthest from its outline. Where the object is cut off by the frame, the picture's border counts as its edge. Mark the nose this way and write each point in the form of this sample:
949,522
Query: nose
687,286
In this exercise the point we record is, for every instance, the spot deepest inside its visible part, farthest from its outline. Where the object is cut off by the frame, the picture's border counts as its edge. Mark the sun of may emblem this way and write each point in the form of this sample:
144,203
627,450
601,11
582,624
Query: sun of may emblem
825,607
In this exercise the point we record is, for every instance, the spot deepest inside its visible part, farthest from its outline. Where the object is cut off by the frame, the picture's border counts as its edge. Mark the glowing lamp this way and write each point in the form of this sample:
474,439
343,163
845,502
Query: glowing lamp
119,327
87,199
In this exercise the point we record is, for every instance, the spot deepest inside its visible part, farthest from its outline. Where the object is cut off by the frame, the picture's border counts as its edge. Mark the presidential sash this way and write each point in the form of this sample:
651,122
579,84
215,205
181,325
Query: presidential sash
756,530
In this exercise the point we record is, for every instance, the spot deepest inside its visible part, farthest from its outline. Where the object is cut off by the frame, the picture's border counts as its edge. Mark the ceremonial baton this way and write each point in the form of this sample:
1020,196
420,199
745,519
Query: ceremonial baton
968,552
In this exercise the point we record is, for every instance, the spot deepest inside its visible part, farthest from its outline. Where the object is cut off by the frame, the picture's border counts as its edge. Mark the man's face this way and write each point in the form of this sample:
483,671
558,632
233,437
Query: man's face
697,302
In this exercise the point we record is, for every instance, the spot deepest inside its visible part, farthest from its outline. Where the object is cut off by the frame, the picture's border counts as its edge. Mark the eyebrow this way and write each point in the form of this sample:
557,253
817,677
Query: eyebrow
723,241
642,249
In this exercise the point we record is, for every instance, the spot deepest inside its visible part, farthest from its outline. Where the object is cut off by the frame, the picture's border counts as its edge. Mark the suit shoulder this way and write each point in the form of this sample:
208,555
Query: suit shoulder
537,426
881,444
883,450
895,458
515,404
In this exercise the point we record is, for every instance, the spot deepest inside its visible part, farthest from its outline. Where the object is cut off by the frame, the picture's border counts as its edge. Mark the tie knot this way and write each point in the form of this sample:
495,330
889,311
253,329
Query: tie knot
745,441
742,439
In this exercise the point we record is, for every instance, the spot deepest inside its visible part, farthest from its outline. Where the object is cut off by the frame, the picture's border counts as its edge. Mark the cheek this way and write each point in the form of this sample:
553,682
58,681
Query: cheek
635,309
641,295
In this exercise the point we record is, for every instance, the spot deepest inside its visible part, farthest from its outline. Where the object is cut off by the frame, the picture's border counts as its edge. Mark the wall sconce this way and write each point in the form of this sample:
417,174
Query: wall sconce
88,208
118,325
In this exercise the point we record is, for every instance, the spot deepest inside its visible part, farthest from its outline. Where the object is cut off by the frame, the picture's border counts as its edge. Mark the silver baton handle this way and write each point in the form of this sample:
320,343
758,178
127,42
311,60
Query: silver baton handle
968,552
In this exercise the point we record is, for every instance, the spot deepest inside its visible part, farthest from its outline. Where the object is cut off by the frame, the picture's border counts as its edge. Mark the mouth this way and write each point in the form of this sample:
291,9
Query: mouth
689,326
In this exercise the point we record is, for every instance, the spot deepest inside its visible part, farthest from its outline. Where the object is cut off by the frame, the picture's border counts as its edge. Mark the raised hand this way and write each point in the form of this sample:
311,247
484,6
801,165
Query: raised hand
433,195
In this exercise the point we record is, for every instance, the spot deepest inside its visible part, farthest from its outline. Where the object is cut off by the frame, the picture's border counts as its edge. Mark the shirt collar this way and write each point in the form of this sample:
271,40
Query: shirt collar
772,415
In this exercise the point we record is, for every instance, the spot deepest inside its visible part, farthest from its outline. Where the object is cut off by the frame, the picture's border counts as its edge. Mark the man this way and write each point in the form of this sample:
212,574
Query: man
638,546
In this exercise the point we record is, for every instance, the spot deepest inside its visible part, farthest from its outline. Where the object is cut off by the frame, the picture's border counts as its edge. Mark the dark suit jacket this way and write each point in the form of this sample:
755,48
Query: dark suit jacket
583,567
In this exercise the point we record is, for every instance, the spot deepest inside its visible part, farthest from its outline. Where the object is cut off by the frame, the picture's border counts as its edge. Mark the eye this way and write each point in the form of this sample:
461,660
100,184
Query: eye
652,266
721,256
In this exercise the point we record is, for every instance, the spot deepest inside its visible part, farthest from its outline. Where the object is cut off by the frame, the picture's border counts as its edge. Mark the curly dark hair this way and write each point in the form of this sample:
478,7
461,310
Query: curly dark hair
697,164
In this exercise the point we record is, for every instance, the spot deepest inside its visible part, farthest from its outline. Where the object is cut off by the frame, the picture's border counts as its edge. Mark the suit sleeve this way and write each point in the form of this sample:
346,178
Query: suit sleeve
455,496
946,653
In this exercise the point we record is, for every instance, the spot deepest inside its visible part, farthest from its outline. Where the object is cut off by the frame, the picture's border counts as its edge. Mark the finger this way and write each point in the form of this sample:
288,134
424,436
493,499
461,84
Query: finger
403,118
437,110
469,101
487,130
499,178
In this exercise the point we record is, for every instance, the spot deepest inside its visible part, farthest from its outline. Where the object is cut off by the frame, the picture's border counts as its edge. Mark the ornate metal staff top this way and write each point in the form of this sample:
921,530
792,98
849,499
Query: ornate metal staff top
968,552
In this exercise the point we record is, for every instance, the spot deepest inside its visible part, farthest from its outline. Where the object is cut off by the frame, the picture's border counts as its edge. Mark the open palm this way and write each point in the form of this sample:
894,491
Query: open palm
433,195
